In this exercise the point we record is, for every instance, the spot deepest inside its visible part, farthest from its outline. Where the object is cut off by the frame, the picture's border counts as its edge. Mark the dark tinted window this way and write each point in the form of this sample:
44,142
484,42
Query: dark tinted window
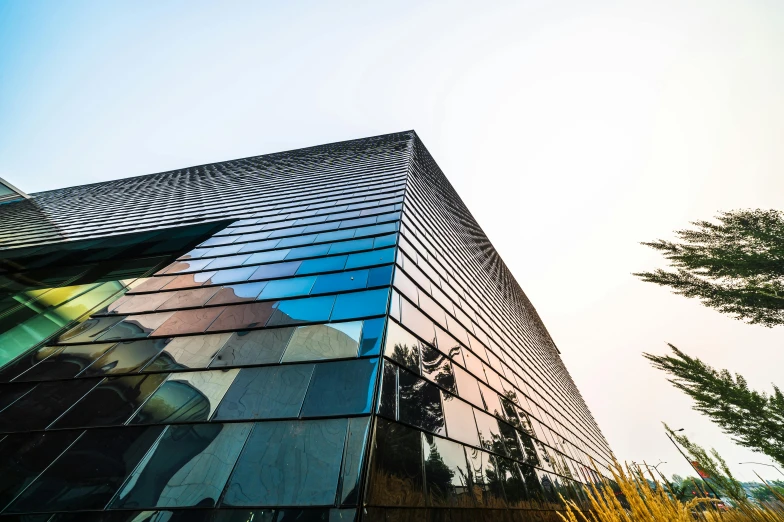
396,466
341,388
41,406
419,403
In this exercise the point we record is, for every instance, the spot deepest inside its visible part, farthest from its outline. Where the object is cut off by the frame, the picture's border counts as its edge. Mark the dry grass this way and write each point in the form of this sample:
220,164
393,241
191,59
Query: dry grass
644,503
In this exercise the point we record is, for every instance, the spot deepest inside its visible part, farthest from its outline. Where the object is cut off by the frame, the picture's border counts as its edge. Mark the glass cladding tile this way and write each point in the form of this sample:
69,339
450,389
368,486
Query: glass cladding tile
266,393
89,472
324,341
264,475
267,257
242,316
188,466
460,423
186,397
309,310
276,270
237,293
25,456
228,261
417,322
380,276
373,257
260,245
372,336
385,241
387,399
485,477
89,330
402,347
340,282
27,361
360,304
419,403
135,326
448,480
142,303
42,405
195,351
324,264
10,393
188,322
112,402
341,388
437,368
281,288
308,251
351,246
186,266
492,402
67,363
154,284
396,474
186,298
468,387
126,357
188,280
253,347
233,275
489,435
358,429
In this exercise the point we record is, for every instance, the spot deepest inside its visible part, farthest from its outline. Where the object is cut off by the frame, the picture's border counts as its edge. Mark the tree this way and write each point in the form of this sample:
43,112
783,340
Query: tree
735,266
754,420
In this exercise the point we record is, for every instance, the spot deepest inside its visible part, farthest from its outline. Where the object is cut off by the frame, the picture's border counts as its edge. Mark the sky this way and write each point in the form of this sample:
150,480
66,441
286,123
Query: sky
573,130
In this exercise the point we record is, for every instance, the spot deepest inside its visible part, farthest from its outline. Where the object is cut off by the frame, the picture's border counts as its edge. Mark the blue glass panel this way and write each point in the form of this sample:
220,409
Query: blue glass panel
267,257
324,341
310,310
276,270
380,276
267,476
187,466
378,229
281,288
224,262
351,246
308,251
324,264
272,392
237,293
235,275
340,282
374,257
385,241
360,304
337,235
341,388
259,245
358,222
296,241
372,333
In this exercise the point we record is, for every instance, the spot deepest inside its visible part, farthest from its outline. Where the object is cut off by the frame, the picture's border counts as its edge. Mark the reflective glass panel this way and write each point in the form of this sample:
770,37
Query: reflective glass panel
253,347
89,330
281,288
187,466
24,456
324,341
387,405
460,423
360,304
276,270
10,393
264,475
88,474
237,293
486,478
341,388
437,368
419,403
309,310
396,477
126,357
234,275
340,282
352,460
186,397
417,322
468,387
324,264
380,276
189,352
238,317
188,322
372,334
266,393
112,402
402,347
26,361
187,298
446,473
40,407
67,363
135,326
489,434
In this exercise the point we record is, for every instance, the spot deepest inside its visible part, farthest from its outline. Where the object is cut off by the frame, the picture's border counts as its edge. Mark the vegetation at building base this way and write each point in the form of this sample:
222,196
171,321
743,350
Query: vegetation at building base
635,494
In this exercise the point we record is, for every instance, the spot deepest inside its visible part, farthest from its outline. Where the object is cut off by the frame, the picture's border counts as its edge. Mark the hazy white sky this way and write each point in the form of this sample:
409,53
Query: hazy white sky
573,130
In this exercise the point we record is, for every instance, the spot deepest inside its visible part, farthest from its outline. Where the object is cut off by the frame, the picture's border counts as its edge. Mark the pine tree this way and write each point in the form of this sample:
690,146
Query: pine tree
754,420
735,265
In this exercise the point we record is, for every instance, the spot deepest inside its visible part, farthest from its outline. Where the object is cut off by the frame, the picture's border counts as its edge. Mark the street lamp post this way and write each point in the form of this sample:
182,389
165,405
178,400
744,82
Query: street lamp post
763,464
692,464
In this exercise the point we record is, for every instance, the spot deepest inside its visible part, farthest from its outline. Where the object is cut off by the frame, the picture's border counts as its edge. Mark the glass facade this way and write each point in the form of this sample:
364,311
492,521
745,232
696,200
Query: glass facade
322,334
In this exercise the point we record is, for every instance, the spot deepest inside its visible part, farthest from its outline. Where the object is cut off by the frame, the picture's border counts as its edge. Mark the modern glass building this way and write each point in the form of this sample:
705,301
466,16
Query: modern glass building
321,334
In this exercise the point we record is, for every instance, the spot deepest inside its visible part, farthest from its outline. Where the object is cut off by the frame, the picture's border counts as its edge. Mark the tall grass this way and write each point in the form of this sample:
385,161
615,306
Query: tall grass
636,500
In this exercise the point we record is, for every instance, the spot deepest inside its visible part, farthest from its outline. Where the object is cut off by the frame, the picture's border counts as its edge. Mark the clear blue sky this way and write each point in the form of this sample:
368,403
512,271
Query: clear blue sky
572,129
